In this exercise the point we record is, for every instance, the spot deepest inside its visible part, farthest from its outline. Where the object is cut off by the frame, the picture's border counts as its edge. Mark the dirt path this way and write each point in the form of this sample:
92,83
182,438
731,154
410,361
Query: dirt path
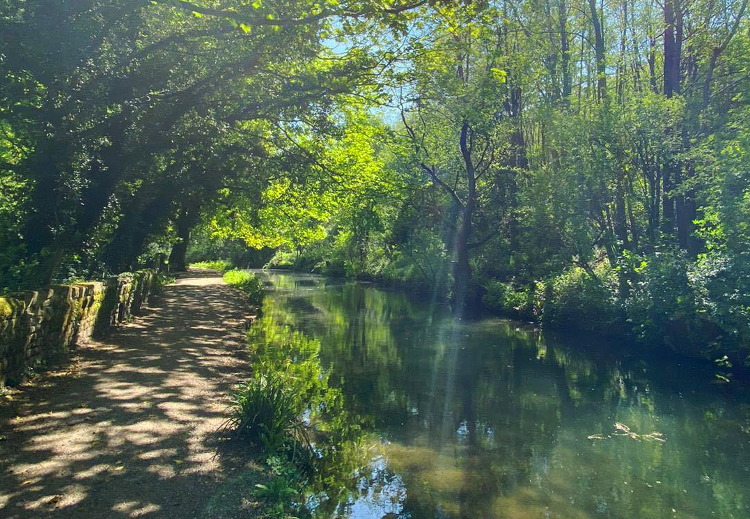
130,428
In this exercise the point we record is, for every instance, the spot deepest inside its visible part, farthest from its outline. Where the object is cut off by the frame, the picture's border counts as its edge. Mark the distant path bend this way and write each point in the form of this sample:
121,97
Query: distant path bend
129,428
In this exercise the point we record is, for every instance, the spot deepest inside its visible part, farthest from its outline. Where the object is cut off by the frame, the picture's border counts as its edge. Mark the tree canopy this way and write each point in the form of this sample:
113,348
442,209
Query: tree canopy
584,163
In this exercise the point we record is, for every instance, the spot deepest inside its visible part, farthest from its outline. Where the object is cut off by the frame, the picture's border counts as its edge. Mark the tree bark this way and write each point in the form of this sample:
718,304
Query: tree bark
601,63
177,258
672,57
462,275
567,78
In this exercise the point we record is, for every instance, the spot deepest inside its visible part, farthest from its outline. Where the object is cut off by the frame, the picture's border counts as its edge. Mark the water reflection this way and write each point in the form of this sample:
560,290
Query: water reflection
490,419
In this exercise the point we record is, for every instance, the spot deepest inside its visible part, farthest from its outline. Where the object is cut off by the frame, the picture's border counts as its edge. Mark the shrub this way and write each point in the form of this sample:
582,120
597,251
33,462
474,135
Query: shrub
247,282
721,285
521,303
161,280
220,265
673,301
309,260
289,405
283,493
586,301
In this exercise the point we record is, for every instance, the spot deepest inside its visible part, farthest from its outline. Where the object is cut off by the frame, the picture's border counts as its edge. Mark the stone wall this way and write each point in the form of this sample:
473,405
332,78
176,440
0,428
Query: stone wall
38,326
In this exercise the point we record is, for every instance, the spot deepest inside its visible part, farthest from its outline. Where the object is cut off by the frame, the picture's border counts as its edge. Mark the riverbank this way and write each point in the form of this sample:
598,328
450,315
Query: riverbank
129,427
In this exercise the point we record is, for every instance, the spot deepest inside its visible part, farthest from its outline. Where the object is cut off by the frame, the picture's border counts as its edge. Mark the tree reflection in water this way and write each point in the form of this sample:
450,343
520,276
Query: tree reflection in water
491,419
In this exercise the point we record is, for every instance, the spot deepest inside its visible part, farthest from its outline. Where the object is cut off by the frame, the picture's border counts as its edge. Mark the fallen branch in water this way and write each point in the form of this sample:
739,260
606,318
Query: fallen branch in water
623,430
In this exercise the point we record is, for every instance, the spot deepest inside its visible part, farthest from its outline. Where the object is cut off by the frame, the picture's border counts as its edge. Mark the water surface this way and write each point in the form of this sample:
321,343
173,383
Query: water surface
492,419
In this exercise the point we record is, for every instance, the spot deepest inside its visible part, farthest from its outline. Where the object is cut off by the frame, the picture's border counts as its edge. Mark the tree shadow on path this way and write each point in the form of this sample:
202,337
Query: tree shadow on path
131,429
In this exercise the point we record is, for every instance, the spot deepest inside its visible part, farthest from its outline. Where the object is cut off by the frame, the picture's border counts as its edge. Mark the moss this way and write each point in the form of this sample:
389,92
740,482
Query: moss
7,307
60,311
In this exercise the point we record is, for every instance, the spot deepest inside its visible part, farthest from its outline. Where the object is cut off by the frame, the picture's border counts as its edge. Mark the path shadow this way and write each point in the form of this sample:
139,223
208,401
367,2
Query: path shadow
131,430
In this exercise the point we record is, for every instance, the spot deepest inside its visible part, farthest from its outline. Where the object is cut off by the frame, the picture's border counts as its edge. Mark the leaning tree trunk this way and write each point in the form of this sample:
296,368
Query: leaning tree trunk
463,292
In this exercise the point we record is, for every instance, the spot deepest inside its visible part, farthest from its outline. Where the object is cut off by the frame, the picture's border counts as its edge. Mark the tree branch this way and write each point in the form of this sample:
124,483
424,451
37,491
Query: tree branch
288,22
479,243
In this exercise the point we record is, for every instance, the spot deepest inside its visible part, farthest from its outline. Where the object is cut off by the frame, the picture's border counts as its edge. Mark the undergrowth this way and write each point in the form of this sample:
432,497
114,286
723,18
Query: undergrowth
248,283
220,265
312,445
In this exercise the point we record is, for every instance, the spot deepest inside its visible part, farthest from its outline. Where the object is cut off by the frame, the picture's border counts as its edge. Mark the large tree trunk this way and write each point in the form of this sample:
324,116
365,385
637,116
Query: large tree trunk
177,261
672,57
672,47
462,275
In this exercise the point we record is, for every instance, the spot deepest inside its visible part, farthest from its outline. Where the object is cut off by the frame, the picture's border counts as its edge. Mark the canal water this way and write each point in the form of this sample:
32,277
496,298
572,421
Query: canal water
493,419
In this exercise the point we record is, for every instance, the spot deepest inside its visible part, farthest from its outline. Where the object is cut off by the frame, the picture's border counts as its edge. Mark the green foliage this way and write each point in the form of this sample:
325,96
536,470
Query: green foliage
584,300
524,148
290,411
692,306
721,284
248,283
220,265
661,300
266,412
203,246
522,303
161,280
283,493
310,259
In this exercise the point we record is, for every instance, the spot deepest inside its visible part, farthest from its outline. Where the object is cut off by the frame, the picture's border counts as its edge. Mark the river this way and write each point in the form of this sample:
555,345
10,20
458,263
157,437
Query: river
491,418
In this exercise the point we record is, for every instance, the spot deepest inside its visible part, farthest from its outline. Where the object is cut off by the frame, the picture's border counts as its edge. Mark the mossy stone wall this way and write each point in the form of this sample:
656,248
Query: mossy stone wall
38,326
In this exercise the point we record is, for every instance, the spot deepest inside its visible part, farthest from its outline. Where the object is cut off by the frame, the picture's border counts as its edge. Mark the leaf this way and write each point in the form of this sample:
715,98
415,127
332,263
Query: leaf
197,14
499,75
245,28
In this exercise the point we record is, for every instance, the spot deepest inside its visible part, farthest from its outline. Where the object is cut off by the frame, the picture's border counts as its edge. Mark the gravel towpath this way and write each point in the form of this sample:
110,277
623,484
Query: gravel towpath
129,427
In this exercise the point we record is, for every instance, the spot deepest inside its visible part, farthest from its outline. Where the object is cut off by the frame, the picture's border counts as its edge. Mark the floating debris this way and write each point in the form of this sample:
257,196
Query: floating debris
623,430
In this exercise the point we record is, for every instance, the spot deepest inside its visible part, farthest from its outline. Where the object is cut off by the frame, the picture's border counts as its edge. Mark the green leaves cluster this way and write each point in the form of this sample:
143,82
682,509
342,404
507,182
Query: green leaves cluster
248,283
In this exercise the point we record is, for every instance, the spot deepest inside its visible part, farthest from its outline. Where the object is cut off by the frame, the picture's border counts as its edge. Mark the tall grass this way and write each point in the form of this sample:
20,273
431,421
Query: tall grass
220,265
269,414
247,282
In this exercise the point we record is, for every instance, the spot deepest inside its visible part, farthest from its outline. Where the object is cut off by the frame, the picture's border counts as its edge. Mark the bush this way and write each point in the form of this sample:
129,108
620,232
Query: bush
721,285
520,303
220,265
673,301
585,301
161,280
248,283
